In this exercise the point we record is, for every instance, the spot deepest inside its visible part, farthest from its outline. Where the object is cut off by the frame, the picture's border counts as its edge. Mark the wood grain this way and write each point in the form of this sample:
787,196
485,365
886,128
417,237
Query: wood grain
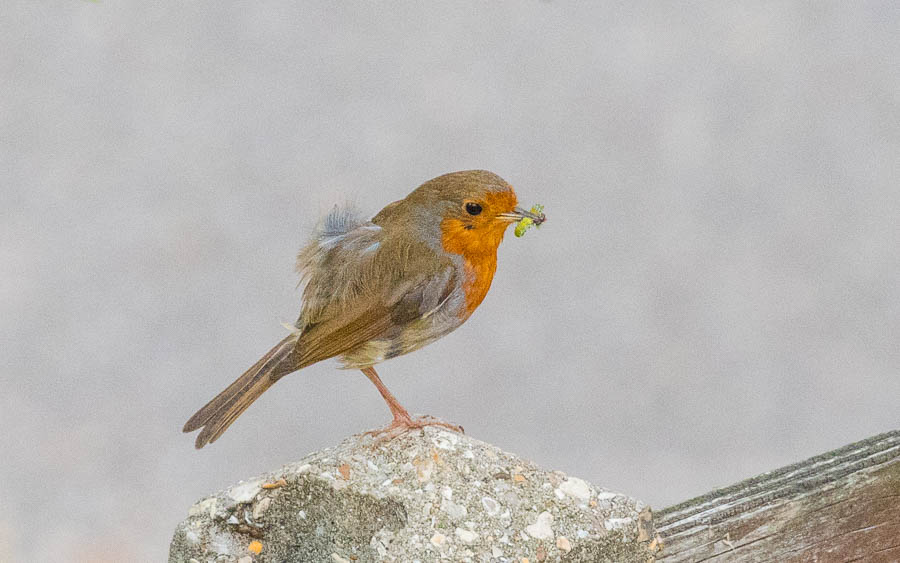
842,506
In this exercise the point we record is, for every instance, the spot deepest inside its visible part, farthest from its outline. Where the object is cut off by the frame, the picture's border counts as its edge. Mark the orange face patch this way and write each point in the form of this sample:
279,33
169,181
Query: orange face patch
476,239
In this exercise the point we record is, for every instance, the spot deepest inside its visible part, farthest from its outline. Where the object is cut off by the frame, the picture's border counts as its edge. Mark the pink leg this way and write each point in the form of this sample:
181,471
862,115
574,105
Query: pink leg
402,422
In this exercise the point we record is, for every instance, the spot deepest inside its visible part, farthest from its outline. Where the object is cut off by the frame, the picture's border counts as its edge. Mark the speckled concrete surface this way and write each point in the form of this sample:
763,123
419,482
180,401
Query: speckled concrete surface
430,495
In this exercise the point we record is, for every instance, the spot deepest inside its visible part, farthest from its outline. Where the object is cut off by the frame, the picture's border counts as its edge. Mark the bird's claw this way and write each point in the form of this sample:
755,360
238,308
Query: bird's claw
402,424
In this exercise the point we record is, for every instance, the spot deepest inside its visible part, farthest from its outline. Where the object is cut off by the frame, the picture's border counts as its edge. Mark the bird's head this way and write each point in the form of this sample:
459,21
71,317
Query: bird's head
473,208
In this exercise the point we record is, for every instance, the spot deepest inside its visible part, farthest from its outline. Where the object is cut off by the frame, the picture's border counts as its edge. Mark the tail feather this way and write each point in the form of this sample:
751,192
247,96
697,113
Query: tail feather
218,414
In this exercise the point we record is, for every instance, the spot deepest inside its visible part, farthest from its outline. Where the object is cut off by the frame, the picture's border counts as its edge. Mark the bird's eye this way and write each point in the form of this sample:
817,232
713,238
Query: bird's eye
473,208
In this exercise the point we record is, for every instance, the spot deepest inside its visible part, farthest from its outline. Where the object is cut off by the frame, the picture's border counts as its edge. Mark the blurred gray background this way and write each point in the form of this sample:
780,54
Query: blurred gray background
716,292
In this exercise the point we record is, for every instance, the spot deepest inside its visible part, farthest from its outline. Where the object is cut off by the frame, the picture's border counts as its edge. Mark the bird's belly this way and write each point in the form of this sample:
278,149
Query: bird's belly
402,340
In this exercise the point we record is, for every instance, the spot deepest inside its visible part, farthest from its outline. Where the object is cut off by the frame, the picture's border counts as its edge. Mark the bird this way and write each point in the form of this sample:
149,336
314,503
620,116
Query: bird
380,288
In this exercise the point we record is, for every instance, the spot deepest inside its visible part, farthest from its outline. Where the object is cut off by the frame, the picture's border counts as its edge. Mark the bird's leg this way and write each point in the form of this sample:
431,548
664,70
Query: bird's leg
397,409
402,422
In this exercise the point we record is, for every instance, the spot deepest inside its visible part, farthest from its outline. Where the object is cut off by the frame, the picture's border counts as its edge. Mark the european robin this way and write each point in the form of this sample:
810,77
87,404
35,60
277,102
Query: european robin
382,288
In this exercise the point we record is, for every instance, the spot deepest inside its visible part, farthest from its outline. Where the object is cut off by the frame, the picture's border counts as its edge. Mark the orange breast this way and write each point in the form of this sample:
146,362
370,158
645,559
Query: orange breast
479,252
479,275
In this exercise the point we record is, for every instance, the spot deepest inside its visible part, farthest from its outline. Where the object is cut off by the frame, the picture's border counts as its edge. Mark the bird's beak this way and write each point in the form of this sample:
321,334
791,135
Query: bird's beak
518,214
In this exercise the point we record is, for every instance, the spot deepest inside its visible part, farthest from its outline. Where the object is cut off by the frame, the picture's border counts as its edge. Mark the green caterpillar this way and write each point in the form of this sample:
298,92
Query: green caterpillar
526,222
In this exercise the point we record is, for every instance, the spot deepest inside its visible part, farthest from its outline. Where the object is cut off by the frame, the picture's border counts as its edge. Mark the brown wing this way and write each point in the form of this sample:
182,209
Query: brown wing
330,339
421,298
360,284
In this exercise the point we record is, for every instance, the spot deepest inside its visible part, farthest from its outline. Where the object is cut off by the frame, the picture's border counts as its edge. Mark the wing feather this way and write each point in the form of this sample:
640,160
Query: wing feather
361,285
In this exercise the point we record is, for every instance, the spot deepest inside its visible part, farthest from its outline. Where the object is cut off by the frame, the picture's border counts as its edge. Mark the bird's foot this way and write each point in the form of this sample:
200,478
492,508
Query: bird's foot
402,424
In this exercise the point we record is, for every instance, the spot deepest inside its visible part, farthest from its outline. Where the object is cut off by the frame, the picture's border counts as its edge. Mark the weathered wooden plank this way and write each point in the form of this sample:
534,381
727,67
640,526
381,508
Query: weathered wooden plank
843,505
